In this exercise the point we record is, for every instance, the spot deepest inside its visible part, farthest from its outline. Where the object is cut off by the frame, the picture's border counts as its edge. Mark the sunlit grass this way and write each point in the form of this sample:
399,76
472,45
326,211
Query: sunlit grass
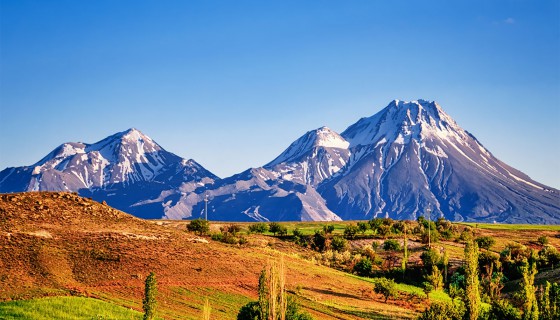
65,308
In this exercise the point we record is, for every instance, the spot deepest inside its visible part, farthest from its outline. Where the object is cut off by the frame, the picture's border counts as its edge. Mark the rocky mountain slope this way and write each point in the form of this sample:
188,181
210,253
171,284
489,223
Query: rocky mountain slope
121,169
412,157
408,159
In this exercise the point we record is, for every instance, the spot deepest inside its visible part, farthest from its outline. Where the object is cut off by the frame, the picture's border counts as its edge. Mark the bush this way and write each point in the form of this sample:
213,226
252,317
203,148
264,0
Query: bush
250,311
543,240
440,310
297,233
350,231
375,223
232,228
363,227
430,258
319,241
432,236
502,309
259,227
199,226
363,267
339,244
386,287
485,242
274,227
328,229
391,245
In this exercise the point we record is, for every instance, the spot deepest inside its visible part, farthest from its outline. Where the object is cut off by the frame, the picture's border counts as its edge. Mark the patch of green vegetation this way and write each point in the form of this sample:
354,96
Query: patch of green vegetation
500,226
65,308
193,301
438,295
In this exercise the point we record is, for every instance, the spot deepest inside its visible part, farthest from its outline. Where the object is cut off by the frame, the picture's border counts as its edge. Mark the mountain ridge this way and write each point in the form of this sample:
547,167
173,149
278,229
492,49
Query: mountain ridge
406,159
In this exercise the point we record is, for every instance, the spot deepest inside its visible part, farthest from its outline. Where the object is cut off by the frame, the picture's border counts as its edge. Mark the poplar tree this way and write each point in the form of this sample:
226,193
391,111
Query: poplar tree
405,251
149,303
529,270
472,293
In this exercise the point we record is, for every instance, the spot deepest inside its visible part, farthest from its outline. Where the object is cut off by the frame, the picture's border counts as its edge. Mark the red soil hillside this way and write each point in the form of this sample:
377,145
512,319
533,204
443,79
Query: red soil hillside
61,244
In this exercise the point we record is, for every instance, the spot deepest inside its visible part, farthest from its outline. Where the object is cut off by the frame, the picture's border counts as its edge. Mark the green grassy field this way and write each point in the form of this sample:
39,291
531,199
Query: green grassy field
65,308
499,226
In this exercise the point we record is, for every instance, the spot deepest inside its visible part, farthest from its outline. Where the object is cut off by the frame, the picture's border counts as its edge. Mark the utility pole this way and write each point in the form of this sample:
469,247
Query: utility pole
429,227
206,207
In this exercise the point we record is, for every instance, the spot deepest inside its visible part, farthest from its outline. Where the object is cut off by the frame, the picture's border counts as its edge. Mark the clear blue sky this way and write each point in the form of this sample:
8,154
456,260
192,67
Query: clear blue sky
232,83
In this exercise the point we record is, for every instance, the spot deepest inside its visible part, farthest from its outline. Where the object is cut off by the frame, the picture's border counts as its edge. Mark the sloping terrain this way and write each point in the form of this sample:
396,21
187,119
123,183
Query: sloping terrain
60,244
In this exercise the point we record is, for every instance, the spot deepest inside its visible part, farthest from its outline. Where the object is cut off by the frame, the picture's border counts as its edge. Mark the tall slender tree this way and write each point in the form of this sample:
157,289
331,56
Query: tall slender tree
405,251
472,293
149,303
530,305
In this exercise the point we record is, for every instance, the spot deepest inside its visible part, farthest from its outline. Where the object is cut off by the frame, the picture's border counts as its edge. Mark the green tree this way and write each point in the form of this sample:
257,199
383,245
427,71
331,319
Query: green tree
199,226
427,287
435,278
363,227
339,244
263,295
363,267
328,228
430,258
445,262
350,231
543,240
501,309
485,242
391,245
386,287
274,227
545,307
259,227
250,311
530,304
405,251
472,293
149,304
440,310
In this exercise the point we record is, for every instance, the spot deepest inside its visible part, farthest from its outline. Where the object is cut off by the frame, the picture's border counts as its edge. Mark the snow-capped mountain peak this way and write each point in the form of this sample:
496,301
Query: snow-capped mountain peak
321,137
312,158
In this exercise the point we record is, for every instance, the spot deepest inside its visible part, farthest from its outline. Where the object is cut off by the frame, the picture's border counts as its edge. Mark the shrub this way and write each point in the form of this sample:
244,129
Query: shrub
283,231
384,230
149,303
232,228
250,311
485,242
432,236
274,227
386,287
259,227
319,241
350,231
339,244
363,227
543,240
297,232
440,310
375,223
502,309
391,245
199,226
430,258
328,229
363,267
